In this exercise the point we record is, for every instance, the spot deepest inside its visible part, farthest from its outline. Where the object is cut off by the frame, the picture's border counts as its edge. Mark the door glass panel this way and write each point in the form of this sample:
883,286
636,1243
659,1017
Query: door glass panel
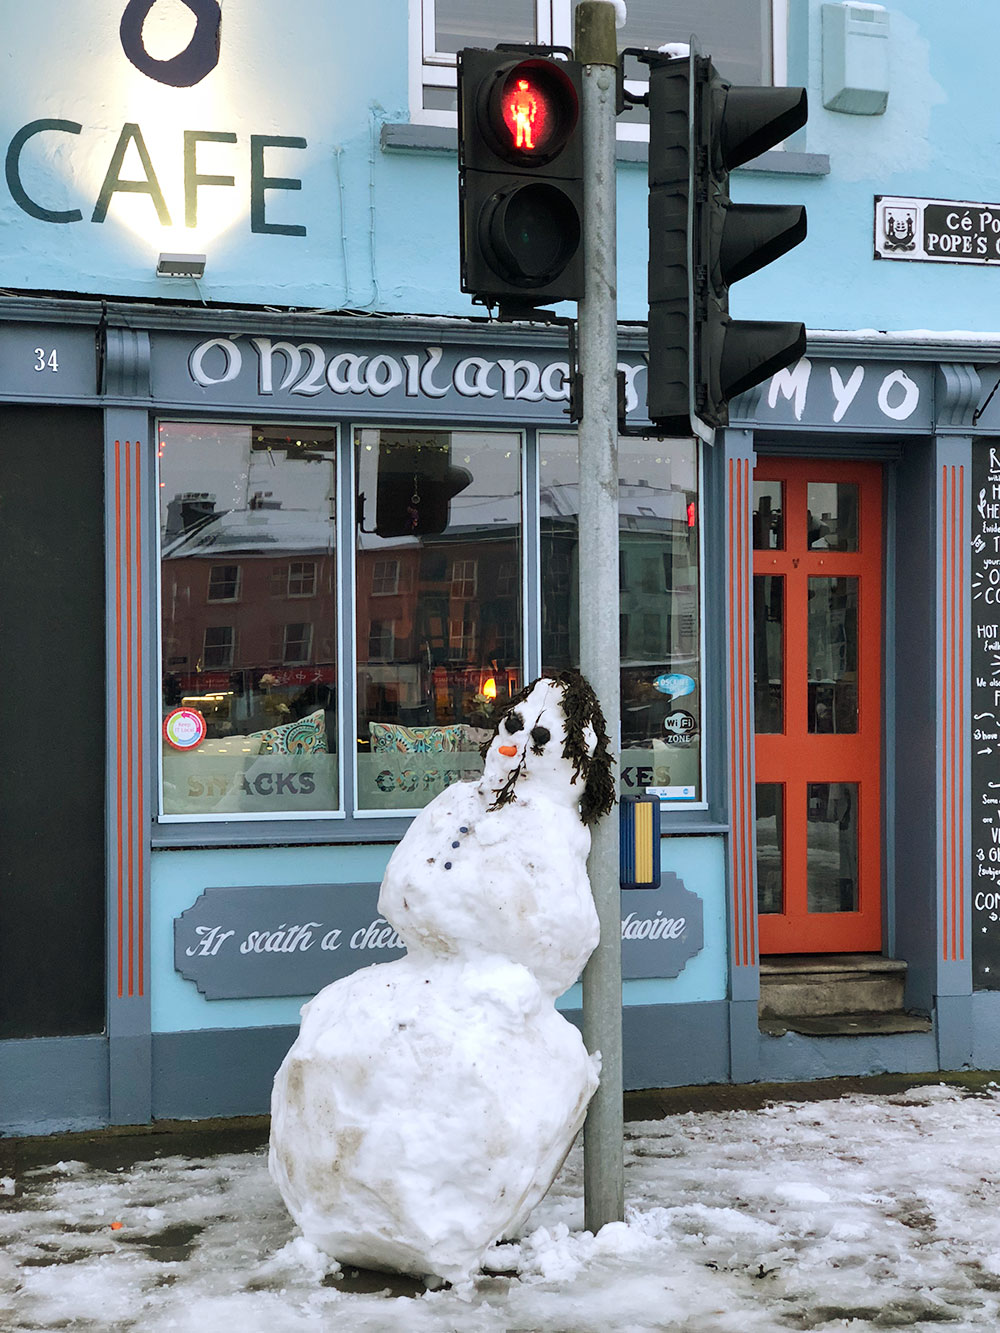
832,847
833,656
770,862
833,516
768,653
768,518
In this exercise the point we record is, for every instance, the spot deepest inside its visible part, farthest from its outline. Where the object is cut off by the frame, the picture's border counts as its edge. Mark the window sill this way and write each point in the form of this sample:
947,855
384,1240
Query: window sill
408,138
275,833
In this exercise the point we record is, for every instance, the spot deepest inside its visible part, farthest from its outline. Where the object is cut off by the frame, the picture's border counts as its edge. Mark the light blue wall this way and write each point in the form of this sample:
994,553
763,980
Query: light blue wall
935,140
382,225
178,877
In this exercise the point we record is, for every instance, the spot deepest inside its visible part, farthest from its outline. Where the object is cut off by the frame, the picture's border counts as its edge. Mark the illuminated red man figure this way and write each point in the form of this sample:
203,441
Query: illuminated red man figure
523,108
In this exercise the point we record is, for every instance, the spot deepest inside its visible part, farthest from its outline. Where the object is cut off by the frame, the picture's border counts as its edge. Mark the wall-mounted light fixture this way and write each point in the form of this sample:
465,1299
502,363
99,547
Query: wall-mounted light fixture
180,266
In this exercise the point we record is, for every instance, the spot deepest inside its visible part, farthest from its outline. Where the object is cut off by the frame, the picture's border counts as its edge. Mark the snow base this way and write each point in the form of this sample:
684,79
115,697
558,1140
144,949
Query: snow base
423,1111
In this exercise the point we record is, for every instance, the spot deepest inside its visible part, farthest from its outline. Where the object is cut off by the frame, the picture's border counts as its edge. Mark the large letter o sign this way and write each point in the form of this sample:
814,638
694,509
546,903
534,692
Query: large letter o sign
188,67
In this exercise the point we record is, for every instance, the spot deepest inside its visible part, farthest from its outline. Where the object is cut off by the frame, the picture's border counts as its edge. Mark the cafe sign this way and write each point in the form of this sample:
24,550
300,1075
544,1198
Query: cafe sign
943,231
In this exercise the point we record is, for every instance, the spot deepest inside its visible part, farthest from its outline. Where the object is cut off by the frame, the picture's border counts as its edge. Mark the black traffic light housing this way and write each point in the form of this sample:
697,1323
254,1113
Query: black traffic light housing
520,177
416,485
700,128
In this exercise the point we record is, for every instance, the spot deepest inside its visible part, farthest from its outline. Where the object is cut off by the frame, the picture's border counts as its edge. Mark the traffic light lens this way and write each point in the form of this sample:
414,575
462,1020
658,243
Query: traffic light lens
532,112
532,232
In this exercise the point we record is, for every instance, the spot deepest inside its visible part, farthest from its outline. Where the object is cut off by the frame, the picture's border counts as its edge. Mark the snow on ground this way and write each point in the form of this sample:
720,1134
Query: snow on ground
863,1213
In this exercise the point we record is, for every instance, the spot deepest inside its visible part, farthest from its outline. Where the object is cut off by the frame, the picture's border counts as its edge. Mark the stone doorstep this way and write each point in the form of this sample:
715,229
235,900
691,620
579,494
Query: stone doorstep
845,1025
831,985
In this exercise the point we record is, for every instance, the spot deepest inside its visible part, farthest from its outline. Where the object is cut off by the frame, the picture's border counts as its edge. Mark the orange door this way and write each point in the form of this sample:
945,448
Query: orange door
817,617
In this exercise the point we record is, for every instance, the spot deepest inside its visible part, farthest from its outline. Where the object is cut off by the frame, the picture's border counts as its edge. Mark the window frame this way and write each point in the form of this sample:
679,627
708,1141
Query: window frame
302,592
193,829
436,69
709,798
237,584
229,646
306,639
348,822
368,819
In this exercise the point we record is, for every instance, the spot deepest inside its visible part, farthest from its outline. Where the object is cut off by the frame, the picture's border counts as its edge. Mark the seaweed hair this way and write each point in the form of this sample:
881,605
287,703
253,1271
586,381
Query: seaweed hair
581,708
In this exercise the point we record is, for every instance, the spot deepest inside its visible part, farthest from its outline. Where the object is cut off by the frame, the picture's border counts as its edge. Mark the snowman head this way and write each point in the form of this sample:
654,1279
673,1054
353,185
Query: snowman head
551,737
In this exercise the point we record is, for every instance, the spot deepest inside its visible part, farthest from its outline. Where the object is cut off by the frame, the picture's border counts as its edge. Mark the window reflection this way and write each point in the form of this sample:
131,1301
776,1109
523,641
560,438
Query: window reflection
459,23
770,845
768,653
833,655
659,614
439,618
832,516
248,601
768,516
832,847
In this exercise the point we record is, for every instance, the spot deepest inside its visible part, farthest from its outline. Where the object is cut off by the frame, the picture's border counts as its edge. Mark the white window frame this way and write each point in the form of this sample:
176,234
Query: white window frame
230,647
464,578
306,575
237,583
278,568
385,577
306,640
436,69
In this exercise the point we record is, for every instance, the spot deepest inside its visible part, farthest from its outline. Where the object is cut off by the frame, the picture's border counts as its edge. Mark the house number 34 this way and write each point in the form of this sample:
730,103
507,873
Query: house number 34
46,360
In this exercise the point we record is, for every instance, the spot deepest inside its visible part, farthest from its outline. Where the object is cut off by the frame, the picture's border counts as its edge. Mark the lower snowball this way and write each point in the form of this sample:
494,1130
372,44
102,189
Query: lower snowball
423,1111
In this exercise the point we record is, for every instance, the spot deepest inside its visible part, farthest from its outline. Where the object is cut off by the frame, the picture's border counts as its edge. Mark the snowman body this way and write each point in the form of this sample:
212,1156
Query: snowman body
427,1103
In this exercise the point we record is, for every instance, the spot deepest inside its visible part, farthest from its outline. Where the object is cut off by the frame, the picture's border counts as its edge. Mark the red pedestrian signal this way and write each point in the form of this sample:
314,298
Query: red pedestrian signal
521,110
520,178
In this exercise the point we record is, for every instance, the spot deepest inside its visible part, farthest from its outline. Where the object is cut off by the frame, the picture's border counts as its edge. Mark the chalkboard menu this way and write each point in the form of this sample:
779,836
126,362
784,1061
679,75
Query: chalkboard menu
985,655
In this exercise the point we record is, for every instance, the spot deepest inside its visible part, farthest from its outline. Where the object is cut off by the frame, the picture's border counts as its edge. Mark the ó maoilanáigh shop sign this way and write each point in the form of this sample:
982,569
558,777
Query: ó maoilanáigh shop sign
264,940
943,231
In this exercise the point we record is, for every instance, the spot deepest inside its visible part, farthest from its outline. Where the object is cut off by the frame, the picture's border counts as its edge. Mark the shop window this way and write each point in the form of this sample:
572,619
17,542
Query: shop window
441,506
438,633
249,710
659,606
742,38
224,583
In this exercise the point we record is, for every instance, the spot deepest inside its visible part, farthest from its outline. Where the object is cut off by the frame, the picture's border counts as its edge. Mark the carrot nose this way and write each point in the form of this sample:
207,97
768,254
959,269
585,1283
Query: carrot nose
508,750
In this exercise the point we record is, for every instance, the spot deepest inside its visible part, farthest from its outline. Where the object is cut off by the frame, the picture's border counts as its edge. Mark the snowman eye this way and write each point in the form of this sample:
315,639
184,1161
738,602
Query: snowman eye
540,736
513,722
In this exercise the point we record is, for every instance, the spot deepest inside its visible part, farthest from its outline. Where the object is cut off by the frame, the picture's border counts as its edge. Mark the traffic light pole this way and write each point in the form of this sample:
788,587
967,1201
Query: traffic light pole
596,48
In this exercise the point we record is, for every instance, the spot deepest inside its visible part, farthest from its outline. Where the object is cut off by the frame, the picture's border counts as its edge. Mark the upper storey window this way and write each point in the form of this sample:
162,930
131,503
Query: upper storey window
745,39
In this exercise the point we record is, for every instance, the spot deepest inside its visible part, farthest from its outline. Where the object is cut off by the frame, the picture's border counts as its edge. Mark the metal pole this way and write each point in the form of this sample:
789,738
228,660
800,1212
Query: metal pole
603,1134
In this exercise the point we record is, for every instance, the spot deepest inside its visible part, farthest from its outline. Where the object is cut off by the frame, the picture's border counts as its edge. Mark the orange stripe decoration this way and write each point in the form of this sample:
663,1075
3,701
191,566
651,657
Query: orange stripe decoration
741,754
129,680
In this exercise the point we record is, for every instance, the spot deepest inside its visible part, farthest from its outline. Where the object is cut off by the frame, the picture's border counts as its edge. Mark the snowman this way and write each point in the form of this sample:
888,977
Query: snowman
427,1103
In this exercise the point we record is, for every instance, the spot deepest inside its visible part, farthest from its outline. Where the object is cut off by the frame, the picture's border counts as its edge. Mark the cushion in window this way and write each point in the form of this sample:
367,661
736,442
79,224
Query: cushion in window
306,736
388,738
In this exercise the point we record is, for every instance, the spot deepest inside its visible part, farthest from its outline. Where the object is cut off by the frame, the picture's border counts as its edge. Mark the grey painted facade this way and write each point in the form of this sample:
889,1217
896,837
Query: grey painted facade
920,409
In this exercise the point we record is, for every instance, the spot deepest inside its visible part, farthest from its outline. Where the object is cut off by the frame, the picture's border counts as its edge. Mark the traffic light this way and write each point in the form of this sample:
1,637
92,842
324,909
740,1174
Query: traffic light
520,178
416,485
700,128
